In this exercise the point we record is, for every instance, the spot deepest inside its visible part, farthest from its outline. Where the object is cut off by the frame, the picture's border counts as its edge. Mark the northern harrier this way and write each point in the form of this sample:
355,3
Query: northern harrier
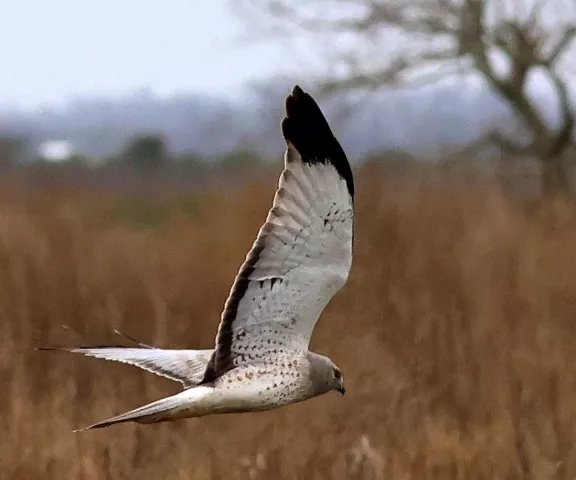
300,259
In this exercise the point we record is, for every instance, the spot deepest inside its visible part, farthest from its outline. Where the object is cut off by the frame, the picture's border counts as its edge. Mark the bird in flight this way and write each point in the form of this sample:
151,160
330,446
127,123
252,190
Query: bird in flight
301,257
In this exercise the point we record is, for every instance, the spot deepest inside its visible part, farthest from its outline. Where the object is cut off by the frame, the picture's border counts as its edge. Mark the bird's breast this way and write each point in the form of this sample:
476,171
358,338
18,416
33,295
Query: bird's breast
263,386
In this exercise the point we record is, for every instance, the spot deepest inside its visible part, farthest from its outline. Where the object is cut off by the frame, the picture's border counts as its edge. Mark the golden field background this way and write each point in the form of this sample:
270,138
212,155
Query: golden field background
455,332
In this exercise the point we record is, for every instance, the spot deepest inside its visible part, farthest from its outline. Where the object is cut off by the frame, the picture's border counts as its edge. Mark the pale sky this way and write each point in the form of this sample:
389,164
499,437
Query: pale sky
55,50
52,51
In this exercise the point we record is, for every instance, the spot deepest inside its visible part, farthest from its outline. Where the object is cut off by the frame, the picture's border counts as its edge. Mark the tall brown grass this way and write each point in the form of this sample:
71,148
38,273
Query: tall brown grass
456,334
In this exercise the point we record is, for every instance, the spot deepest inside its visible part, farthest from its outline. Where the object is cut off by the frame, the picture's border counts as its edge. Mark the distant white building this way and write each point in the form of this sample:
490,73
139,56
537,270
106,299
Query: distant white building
56,150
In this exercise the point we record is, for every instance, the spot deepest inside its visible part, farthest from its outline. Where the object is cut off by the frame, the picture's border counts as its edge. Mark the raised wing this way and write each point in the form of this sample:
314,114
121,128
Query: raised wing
184,366
303,252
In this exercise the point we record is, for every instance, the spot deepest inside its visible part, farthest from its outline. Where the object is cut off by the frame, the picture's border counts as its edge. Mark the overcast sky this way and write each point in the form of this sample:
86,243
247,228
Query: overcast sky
55,50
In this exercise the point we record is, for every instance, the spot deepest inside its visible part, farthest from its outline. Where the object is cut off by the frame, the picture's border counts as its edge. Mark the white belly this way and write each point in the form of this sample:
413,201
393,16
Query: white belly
256,388
249,388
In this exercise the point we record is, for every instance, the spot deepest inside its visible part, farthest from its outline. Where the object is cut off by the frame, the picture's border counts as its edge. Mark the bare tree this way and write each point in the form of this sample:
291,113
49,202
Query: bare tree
370,44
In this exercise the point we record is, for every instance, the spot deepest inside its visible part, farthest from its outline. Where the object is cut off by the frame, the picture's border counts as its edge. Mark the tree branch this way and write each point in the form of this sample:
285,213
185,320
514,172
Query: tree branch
507,145
444,35
564,136
390,73
561,46
426,18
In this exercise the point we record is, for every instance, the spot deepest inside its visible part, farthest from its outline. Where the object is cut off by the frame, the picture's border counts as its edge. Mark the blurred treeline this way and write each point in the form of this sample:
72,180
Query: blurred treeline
144,161
146,152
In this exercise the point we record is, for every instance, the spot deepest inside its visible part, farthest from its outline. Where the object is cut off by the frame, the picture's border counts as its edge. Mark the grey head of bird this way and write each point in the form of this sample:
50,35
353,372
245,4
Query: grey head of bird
325,376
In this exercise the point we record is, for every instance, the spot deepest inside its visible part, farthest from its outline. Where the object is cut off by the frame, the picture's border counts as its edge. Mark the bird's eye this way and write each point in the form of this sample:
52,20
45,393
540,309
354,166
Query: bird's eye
337,373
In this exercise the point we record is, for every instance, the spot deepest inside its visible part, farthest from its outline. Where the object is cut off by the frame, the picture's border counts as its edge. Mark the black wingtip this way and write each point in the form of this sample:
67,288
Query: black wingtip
306,128
304,120
54,349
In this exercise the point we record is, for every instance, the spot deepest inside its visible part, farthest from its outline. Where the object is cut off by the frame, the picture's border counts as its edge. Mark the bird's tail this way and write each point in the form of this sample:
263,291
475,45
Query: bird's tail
181,405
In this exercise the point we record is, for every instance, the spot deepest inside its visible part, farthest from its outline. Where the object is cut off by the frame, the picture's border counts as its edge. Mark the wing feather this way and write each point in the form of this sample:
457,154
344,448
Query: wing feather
302,254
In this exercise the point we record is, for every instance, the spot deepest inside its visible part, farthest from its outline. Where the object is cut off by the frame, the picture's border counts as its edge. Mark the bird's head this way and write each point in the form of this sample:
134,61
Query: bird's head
325,375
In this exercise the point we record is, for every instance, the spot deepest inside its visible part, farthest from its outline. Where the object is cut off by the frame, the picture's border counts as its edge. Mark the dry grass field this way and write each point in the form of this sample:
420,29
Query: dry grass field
456,334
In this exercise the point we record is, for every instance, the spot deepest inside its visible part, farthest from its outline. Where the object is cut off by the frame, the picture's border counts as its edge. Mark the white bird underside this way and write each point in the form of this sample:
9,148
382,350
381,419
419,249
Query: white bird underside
301,257
306,253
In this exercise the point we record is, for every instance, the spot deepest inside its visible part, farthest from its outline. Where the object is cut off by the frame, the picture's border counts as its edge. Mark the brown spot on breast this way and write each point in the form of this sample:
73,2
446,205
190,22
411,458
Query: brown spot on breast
249,375
239,378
